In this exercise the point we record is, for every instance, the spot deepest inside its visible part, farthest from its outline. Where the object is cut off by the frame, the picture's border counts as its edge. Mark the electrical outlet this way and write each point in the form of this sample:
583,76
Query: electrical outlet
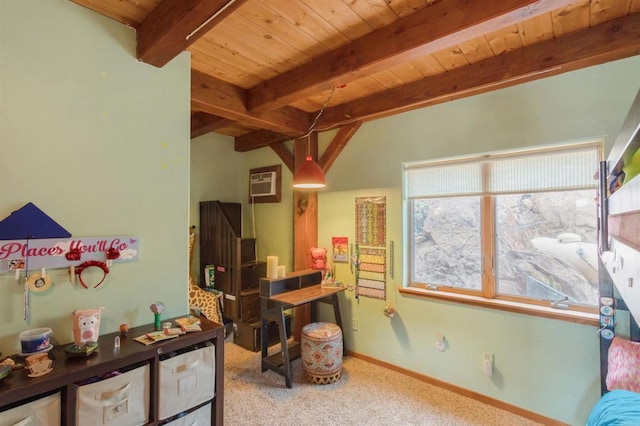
354,324
441,343
487,364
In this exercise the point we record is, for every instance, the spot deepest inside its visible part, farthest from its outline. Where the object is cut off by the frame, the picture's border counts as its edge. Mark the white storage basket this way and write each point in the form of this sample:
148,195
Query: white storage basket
122,400
199,417
40,412
186,380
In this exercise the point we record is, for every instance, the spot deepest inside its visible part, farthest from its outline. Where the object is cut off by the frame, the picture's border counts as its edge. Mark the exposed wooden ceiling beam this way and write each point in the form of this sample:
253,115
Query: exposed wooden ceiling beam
259,139
338,143
610,41
172,26
202,123
429,30
225,100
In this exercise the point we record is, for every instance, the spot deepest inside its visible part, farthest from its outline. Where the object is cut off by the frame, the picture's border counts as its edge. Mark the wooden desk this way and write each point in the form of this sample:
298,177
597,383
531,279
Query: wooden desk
272,309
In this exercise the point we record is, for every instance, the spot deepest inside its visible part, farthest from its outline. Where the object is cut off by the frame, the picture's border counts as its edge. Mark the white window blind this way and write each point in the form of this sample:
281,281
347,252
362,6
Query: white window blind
551,169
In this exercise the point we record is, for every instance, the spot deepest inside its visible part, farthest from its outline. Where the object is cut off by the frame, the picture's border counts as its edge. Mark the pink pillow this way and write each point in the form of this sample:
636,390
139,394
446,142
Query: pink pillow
624,365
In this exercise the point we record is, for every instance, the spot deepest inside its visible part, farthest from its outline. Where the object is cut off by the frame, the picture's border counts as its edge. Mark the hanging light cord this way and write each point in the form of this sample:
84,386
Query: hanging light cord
315,120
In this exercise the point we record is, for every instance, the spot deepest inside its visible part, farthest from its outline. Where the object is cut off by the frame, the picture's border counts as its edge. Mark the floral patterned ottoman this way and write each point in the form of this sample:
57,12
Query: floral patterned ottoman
321,352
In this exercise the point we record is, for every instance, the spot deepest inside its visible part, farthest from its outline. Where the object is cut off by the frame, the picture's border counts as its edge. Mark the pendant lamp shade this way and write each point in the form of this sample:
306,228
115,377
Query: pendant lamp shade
309,175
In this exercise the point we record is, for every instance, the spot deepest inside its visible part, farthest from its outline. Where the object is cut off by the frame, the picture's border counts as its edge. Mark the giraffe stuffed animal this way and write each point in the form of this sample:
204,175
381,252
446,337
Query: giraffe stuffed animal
206,302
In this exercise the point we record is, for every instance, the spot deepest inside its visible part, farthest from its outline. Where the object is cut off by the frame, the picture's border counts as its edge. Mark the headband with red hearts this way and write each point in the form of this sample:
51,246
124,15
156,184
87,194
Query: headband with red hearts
89,264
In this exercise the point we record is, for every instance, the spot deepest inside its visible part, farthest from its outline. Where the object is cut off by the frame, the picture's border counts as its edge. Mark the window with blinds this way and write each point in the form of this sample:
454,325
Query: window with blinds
510,225
552,169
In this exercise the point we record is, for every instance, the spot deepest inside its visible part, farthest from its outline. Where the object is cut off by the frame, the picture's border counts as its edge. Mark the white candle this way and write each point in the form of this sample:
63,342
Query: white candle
282,271
272,267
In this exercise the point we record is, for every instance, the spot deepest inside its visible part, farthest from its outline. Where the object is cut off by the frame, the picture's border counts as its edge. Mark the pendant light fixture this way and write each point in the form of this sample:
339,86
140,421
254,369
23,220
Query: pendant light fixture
309,175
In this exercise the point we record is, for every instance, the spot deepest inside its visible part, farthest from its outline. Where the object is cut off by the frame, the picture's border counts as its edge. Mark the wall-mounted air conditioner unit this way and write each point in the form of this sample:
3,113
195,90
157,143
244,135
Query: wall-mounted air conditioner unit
263,184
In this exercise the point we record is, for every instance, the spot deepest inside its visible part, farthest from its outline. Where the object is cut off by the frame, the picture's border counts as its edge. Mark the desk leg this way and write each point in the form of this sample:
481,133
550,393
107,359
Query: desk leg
264,329
336,313
281,366
284,347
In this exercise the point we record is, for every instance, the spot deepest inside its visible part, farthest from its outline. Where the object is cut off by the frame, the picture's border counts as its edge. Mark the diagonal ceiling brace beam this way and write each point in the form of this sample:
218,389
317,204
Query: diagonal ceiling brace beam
338,143
202,123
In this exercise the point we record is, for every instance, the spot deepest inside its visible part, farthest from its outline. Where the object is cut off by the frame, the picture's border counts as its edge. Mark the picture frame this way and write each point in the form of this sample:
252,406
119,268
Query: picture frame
265,184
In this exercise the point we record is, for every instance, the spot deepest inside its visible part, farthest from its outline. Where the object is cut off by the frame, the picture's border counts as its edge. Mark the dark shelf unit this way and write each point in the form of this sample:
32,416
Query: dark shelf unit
18,388
237,272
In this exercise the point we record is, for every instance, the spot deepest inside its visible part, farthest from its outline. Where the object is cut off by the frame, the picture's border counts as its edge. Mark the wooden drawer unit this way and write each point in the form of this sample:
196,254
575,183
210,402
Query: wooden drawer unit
250,306
241,299
250,275
142,381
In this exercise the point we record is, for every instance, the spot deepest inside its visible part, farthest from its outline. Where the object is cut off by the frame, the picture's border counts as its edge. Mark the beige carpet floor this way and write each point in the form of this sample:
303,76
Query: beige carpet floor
366,394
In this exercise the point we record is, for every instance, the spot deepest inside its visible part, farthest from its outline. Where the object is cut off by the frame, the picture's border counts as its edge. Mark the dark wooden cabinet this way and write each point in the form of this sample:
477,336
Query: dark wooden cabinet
237,272
241,302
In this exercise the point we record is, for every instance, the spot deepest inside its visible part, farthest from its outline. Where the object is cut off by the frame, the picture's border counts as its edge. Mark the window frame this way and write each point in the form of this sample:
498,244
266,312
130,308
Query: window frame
488,295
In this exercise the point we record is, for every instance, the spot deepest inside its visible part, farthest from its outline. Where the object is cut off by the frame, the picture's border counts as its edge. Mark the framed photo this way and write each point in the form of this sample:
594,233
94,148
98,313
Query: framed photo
265,184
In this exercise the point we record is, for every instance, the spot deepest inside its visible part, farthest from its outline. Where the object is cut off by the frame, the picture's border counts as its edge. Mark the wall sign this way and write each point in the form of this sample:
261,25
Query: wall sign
65,252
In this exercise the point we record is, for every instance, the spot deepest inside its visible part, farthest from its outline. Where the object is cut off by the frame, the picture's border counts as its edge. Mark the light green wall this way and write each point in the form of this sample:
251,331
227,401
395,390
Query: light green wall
100,142
215,171
545,366
273,221
220,173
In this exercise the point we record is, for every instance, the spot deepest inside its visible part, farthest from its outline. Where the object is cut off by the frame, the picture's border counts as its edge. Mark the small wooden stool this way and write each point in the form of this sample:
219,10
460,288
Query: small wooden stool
321,344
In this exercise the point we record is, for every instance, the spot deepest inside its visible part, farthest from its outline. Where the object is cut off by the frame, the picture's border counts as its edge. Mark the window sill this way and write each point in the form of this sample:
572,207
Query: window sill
585,318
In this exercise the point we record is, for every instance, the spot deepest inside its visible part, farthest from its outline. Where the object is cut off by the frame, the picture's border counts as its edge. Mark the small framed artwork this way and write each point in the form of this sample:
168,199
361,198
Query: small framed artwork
340,249
265,184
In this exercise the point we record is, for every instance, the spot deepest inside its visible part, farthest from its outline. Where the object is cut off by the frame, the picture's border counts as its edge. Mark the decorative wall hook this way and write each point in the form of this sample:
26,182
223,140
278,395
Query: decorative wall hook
389,311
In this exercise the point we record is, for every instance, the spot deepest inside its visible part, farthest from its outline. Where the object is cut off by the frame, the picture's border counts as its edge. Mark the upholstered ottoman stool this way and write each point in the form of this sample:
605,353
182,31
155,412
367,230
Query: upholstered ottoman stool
321,344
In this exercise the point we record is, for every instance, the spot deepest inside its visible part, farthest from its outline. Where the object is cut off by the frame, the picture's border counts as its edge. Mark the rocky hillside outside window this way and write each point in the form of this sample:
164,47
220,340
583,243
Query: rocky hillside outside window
517,226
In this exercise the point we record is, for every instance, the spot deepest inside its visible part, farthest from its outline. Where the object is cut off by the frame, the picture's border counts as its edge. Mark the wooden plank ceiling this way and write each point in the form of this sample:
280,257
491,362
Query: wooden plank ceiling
263,69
